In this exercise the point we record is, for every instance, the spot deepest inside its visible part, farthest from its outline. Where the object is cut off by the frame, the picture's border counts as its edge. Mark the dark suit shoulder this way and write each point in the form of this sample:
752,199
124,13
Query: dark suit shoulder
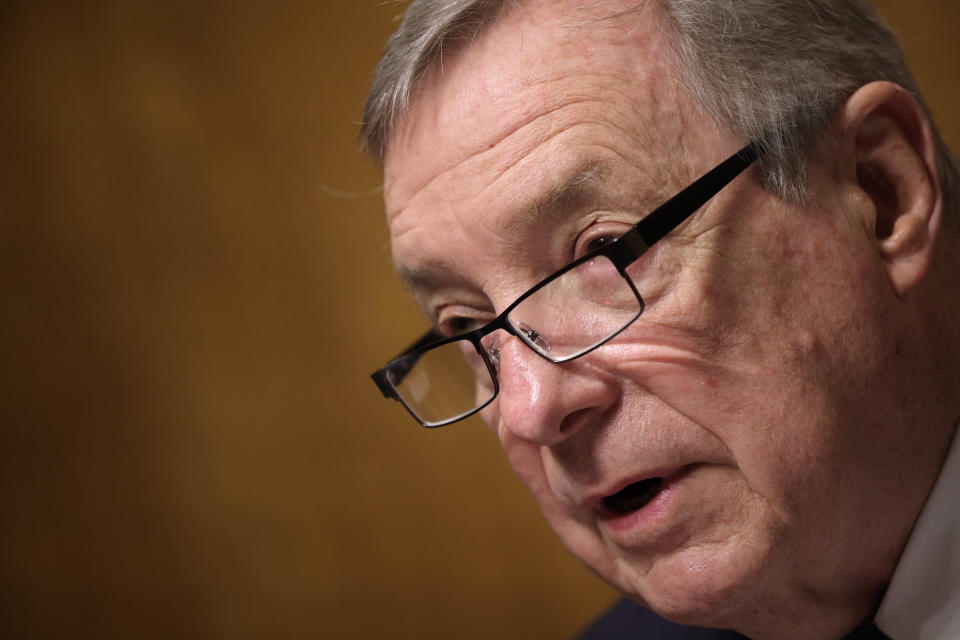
627,620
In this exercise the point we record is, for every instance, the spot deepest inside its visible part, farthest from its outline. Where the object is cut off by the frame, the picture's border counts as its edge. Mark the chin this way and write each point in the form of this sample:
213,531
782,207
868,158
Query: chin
710,585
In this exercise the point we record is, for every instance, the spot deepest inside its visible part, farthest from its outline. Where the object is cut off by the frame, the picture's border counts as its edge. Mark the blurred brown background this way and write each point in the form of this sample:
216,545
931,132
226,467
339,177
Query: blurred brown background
196,284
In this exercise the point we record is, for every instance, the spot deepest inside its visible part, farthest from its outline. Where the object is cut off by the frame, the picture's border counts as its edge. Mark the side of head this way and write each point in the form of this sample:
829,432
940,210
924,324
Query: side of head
794,349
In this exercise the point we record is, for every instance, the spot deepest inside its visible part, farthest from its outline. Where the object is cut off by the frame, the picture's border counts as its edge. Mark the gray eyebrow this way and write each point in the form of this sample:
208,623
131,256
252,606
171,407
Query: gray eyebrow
418,278
592,171
558,200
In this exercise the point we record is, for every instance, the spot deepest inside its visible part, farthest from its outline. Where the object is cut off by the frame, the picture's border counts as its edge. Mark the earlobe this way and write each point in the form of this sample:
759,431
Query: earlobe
896,168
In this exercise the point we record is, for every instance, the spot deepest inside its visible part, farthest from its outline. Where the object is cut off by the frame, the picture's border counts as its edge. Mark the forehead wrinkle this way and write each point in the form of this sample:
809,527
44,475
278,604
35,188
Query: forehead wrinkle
480,149
525,92
612,21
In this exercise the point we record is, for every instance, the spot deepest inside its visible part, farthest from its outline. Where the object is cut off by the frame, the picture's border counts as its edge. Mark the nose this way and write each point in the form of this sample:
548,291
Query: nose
545,403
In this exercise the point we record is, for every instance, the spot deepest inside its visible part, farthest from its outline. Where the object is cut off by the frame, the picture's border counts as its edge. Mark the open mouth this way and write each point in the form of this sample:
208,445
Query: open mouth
633,496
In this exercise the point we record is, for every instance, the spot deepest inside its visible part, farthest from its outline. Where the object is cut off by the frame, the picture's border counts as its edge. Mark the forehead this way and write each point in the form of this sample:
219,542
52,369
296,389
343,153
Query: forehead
552,89
538,57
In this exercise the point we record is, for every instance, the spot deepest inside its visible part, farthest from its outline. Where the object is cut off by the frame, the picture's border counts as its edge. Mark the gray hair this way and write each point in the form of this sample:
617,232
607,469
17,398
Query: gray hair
772,71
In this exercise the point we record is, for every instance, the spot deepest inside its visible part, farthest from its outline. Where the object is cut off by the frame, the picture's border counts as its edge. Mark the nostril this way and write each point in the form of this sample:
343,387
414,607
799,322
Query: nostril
569,423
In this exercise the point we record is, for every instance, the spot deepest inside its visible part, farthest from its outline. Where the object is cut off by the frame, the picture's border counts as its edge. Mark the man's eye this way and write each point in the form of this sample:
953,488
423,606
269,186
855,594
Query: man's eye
599,241
458,325
596,242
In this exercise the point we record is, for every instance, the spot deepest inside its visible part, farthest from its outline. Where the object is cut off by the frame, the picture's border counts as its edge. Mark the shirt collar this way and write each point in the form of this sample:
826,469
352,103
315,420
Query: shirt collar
923,599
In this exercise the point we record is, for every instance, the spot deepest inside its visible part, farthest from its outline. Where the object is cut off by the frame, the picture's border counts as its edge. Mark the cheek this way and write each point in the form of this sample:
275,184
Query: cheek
523,457
526,461
733,350
751,380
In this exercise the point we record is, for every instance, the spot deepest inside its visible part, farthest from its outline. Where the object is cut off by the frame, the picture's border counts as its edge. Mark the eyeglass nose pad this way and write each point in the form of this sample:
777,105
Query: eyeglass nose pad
534,337
491,345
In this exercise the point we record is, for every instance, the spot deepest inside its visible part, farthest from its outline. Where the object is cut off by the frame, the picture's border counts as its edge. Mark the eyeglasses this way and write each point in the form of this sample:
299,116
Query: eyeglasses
567,315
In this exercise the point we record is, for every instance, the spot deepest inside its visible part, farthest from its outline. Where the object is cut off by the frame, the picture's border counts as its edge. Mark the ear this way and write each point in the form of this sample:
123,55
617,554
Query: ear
896,169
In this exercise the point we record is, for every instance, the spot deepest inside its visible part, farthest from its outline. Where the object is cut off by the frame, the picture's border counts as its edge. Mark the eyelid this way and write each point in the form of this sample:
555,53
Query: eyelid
449,313
599,229
457,302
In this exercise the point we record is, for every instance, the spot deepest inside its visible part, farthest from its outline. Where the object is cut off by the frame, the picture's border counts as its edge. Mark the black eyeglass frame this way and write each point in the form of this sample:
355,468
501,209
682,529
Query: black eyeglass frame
622,252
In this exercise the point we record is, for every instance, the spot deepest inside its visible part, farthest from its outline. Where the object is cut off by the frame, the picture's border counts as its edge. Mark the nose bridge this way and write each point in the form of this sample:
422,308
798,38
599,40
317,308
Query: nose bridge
538,398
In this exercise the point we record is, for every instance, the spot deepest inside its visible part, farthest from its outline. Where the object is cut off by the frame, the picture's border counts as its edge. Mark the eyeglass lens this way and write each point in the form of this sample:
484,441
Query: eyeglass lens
445,383
576,311
564,318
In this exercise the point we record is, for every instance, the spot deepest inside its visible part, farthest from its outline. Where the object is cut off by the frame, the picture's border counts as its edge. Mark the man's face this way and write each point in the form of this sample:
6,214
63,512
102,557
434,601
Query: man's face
749,385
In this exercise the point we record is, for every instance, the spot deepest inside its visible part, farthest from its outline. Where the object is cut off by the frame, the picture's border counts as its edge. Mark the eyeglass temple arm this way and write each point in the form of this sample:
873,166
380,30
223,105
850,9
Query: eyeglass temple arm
671,213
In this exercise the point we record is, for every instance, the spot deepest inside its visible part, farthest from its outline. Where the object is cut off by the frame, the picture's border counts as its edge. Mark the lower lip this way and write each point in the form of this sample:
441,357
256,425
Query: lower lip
647,516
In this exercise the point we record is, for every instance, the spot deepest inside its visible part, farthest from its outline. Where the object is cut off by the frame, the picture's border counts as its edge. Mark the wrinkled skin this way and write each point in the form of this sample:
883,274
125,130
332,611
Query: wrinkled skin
765,378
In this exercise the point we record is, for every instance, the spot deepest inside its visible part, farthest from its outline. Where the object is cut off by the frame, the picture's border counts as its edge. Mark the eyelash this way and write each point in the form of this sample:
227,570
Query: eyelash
591,246
604,235
447,328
